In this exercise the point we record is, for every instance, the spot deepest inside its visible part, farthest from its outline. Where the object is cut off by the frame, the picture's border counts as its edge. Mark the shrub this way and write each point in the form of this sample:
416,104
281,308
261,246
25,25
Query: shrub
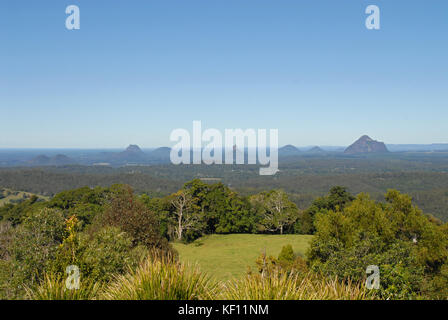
34,244
99,256
287,254
286,262
108,253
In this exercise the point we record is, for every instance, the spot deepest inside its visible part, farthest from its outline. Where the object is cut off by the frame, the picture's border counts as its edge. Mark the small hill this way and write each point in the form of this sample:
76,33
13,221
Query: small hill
40,160
288,150
133,149
132,153
315,149
365,144
57,160
161,154
61,159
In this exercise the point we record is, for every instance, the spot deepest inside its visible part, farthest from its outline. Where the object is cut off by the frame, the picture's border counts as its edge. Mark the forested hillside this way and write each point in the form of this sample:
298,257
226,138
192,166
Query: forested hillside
428,185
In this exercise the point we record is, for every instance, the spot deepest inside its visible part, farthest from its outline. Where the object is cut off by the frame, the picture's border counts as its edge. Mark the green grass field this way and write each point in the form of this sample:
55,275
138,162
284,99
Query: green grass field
228,256
9,196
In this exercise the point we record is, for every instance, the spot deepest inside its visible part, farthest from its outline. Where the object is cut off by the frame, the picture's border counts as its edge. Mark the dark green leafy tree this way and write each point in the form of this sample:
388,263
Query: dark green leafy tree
410,249
237,216
337,199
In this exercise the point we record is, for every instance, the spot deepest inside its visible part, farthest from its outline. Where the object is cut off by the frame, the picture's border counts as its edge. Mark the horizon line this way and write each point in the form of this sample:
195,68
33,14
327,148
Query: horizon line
164,146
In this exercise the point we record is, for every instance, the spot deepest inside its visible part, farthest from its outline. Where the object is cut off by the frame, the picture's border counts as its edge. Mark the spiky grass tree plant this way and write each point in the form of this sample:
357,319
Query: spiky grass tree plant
53,287
279,285
161,278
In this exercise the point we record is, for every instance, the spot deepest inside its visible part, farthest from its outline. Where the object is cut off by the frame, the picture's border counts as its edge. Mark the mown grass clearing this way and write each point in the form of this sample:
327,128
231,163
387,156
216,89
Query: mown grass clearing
11,196
228,256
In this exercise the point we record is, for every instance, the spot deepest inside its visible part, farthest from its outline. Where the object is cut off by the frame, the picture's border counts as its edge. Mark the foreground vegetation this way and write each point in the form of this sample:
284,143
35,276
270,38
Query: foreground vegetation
122,245
162,278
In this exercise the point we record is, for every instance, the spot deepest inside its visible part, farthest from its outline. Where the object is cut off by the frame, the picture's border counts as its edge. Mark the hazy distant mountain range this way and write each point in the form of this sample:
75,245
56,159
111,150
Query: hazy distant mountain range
57,160
418,147
134,155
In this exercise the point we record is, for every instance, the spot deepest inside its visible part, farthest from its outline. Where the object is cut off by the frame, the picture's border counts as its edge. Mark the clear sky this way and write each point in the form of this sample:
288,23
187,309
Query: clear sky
138,69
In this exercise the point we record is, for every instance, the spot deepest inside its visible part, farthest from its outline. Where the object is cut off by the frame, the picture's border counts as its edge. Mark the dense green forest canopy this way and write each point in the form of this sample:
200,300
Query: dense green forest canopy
423,176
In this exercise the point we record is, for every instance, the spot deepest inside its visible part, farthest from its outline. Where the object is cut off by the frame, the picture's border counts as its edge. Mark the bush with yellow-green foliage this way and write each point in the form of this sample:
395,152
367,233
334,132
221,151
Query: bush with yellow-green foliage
99,256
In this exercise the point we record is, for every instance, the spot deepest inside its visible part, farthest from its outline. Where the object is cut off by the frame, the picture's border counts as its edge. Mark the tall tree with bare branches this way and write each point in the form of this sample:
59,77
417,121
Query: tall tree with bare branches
280,212
186,217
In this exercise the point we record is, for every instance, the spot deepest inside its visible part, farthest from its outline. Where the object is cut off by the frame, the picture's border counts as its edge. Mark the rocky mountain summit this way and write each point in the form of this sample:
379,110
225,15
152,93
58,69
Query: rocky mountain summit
365,144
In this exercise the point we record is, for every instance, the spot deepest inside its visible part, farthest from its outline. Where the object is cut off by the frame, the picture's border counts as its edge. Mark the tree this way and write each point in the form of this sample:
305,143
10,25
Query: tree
163,208
410,249
130,215
337,199
227,212
186,218
279,211
236,216
86,203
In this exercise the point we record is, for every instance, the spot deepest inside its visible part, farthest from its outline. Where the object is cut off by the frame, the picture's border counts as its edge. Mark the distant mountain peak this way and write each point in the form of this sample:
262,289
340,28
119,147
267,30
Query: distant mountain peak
43,160
60,157
288,150
365,144
41,157
133,148
365,138
132,153
315,149
161,154
289,147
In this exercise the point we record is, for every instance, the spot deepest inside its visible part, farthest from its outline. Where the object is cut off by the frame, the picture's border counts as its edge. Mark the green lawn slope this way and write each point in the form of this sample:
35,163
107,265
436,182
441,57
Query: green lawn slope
228,256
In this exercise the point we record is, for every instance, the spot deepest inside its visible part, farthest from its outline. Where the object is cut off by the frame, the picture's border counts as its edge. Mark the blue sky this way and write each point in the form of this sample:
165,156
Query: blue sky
136,70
